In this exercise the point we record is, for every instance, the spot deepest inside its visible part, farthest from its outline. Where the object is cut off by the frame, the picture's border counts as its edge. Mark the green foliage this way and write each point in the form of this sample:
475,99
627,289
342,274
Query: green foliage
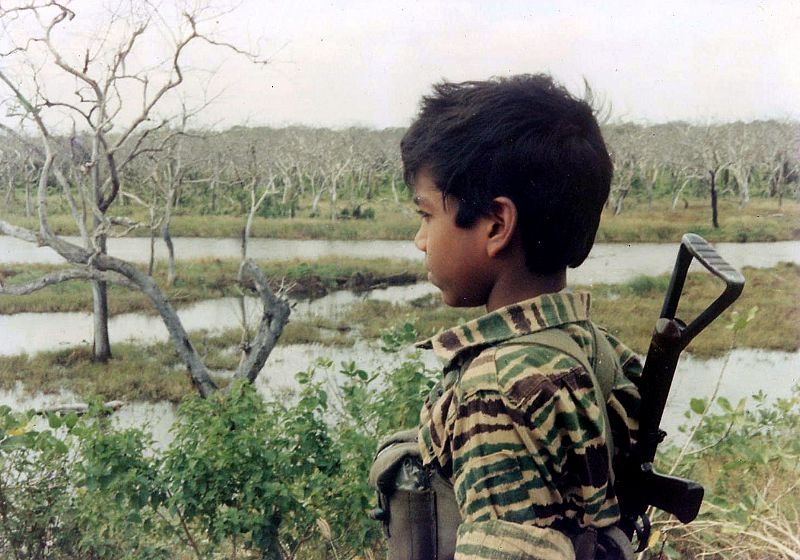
647,286
281,478
748,459
37,517
357,213
286,477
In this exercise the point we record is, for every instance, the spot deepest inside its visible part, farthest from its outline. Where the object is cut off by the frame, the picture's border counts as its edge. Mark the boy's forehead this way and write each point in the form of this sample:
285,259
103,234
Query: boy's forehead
424,189
425,198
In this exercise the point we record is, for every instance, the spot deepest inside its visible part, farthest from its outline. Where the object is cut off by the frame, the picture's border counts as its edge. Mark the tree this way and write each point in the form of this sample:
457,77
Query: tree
109,79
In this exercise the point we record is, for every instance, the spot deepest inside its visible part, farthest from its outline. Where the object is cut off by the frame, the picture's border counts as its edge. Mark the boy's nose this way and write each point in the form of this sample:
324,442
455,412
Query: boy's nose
420,241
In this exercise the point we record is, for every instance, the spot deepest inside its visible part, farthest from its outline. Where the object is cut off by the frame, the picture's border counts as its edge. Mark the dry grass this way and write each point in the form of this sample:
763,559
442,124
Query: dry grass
760,220
199,280
630,310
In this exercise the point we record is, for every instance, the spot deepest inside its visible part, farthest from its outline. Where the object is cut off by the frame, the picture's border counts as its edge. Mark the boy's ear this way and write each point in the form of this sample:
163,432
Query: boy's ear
502,220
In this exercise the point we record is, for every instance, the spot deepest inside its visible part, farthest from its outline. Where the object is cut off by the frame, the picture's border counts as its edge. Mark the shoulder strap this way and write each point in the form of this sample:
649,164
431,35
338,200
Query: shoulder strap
602,373
606,367
606,364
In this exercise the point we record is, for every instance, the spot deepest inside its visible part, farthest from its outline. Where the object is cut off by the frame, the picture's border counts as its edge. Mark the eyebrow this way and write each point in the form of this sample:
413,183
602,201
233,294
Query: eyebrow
419,200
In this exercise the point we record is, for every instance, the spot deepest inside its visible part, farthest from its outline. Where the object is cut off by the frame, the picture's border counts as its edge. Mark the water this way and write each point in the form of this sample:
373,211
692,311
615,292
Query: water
37,332
613,262
747,372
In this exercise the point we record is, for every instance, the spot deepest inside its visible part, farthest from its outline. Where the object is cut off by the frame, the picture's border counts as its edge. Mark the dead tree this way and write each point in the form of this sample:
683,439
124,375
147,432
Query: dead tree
97,105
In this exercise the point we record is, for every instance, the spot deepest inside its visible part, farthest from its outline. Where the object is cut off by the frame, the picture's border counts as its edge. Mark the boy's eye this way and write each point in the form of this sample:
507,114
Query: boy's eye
424,215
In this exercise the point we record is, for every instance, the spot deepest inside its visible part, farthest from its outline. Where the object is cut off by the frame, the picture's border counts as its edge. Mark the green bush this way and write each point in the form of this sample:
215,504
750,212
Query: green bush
647,286
282,478
748,460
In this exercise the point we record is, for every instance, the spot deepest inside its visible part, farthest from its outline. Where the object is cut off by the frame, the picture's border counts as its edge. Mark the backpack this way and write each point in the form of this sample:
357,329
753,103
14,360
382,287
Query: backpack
417,506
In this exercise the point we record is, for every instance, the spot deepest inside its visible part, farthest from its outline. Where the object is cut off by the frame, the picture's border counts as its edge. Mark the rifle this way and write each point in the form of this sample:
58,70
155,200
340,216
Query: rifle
639,485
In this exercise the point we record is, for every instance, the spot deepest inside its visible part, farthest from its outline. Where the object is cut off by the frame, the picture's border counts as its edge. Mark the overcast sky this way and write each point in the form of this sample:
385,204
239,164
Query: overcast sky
342,63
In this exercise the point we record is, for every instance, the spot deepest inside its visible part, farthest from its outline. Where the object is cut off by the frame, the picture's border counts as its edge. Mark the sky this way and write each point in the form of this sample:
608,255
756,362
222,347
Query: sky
367,63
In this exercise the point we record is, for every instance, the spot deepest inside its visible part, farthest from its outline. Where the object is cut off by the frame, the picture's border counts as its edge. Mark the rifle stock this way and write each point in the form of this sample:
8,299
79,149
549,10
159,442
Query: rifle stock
679,496
639,486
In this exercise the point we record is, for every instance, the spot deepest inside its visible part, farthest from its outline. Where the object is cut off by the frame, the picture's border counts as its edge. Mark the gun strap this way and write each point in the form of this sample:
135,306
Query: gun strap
603,372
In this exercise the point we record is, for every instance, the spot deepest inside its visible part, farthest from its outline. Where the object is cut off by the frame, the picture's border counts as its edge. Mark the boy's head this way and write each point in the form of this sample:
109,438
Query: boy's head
525,138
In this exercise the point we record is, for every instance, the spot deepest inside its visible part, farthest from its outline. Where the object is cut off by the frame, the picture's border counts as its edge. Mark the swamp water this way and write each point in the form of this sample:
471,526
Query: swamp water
747,371
608,262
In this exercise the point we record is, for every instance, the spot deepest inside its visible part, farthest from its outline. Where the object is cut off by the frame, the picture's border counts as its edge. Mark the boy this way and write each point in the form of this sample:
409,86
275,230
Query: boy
510,177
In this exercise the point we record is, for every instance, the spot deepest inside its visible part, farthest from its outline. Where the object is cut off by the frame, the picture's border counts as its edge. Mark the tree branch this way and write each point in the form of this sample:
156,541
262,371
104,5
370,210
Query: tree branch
275,316
59,276
20,233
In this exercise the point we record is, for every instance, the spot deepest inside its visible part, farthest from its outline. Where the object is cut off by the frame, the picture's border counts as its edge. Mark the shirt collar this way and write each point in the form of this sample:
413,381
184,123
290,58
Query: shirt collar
518,319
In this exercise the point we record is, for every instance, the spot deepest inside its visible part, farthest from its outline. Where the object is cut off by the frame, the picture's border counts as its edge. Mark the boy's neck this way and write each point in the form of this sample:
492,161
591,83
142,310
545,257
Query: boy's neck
514,286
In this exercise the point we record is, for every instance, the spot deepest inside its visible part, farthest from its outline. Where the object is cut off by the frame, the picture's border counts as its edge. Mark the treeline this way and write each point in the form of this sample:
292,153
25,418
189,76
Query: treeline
301,171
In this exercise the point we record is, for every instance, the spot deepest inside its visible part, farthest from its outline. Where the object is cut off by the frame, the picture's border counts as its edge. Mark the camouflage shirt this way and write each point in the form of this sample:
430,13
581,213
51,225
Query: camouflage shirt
518,429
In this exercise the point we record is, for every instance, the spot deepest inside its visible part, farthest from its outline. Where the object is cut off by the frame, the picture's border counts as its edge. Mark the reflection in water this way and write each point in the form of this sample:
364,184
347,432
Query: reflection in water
748,371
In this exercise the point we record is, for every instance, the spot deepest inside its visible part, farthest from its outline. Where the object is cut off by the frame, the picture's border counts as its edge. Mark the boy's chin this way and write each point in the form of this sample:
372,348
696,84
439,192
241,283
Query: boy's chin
455,300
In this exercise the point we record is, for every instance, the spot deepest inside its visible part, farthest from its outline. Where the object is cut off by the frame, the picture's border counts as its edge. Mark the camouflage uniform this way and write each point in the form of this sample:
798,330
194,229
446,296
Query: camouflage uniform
519,431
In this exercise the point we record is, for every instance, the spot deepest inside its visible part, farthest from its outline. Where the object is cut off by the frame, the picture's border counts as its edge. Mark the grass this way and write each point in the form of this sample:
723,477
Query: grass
206,279
628,310
149,373
775,291
761,220
392,221
145,373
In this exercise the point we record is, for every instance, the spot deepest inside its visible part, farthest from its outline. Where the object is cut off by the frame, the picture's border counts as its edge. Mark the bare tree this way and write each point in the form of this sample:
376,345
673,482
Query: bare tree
102,92
625,152
711,161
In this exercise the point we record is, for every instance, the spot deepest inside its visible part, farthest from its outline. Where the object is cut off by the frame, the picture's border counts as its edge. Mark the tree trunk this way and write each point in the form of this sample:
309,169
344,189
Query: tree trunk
394,190
101,346
743,178
333,200
151,264
714,213
170,254
618,205
28,200
315,203
9,198
165,234
651,185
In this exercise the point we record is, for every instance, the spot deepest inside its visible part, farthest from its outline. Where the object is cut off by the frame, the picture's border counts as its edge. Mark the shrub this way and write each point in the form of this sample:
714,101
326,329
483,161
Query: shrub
282,478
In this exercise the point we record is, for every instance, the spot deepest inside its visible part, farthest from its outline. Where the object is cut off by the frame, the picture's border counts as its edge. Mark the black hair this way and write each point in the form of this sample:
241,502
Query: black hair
525,137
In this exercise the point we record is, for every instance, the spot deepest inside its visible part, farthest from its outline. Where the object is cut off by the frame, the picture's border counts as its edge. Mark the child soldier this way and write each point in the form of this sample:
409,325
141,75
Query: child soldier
509,177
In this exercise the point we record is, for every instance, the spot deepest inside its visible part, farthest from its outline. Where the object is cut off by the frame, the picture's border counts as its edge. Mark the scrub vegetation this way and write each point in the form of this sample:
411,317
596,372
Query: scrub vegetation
738,181
247,477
